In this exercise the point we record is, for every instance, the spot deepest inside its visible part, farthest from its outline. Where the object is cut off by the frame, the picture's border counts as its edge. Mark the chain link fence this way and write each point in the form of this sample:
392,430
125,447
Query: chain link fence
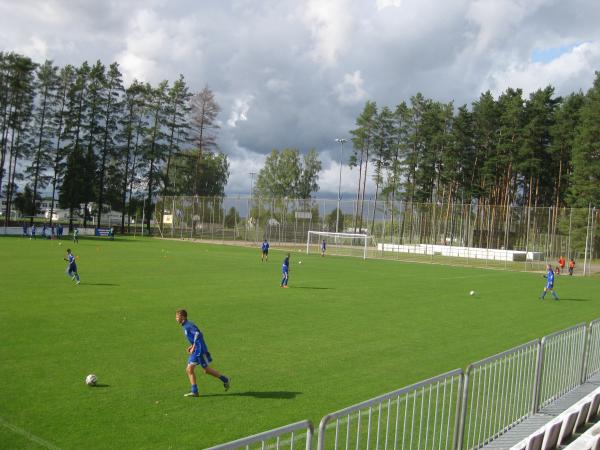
517,238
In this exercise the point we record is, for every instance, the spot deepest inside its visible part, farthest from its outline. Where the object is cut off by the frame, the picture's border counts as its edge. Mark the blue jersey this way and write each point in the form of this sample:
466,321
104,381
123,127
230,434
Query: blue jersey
33,230
193,333
71,260
323,245
286,265
550,278
265,246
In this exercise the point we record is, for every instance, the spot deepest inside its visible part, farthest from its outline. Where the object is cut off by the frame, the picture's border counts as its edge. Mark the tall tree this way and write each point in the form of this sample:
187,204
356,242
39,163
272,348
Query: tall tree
43,127
585,188
204,127
154,142
110,111
65,82
361,142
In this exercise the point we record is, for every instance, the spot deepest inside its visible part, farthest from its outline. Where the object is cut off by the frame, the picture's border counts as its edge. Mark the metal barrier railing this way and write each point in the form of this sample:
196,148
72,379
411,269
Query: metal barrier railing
498,393
592,365
278,438
423,415
562,357
454,410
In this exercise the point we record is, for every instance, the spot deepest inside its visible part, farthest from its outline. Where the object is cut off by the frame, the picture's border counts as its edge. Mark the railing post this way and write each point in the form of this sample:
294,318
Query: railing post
459,432
586,348
537,387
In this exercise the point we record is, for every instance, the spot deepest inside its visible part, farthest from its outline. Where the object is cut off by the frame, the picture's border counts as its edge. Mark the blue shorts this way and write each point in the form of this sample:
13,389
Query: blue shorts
549,285
265,252
200,357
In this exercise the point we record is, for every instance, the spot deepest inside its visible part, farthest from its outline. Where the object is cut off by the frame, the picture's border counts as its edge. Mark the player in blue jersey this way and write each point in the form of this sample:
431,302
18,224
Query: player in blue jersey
285,271
25,234
32,232
199,354
72,267
265,251
549,283
323,247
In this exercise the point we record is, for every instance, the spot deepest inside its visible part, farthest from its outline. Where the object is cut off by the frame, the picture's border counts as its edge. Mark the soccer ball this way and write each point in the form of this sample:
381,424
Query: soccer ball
472,293
299,262
91,379
60,243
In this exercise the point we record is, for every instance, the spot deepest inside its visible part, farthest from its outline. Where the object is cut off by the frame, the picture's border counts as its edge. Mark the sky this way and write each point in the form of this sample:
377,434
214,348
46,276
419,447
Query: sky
297,73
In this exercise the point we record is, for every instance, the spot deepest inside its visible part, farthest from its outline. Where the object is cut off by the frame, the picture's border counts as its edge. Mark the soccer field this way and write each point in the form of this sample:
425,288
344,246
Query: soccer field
345,331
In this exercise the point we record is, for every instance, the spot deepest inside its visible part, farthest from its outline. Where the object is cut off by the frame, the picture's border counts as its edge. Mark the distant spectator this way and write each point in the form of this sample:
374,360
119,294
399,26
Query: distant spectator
571,266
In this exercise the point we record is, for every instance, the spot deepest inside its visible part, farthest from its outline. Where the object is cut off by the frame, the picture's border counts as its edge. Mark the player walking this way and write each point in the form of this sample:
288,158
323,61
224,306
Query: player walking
265,251
32,232
76,235
323,247
571,266
549,283
199,354
285,271
72,267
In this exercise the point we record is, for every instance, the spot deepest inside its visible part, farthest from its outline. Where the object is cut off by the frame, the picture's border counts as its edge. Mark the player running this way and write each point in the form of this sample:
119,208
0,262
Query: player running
199,354
265,251
72,267
323,247
549,283
285,271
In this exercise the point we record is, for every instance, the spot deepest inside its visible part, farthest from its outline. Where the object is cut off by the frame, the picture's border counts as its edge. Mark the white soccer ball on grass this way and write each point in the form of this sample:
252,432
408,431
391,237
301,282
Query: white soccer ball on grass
91,380
472,293
299,262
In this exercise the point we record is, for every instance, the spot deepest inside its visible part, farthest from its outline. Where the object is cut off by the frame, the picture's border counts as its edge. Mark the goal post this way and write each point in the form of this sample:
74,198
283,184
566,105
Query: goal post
348,244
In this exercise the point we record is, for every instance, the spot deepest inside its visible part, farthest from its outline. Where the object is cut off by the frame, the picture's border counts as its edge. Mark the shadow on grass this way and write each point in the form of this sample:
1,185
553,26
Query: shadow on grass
574,299
100,284
100,385
310,287
287,395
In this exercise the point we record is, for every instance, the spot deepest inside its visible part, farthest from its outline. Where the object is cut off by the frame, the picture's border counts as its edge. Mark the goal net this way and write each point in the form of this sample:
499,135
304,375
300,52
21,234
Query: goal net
342,244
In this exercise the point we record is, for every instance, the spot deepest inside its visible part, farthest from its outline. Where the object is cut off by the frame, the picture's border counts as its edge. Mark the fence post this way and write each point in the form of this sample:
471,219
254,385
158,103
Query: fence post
460,412
586,349
538,377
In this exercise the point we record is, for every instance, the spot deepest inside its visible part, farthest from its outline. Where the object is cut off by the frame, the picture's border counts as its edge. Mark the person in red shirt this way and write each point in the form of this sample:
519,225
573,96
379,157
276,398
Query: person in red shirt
571,266
561,263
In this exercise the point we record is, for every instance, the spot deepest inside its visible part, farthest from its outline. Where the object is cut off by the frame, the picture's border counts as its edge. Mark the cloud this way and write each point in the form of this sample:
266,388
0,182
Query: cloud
350,91
291,73
565,72
239,110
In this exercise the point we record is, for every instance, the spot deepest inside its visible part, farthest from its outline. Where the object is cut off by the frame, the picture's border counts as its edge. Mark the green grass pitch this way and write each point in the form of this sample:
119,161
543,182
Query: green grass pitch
345,331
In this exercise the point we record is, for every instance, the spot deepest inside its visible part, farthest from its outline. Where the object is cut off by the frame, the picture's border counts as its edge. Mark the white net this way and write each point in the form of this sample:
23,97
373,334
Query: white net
341,244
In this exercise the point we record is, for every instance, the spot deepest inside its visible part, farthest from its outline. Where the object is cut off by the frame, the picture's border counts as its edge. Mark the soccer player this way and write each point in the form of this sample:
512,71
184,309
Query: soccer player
285,271
76,235
323,247
199,354
571,266
549,283
25,234
561,263
32,232
72,267
265,251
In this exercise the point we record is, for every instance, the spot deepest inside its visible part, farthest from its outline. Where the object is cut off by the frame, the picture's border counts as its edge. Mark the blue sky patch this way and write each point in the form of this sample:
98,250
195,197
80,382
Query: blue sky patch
545,55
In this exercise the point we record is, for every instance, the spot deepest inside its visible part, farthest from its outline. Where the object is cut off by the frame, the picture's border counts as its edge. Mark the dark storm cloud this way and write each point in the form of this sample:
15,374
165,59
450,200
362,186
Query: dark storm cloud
296,74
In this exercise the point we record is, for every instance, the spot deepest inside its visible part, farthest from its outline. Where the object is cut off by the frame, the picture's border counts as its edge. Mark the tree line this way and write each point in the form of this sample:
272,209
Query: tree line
79,132
540,150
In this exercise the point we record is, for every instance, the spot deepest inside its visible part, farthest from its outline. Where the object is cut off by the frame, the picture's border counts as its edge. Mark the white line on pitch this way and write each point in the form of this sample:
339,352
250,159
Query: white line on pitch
28,435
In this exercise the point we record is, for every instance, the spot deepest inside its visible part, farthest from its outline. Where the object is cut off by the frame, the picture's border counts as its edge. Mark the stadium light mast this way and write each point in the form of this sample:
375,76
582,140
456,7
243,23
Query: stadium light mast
337,219
251,183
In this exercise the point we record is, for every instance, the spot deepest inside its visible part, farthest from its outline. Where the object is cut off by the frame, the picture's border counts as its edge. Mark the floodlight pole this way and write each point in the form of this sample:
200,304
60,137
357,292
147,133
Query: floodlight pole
337,218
